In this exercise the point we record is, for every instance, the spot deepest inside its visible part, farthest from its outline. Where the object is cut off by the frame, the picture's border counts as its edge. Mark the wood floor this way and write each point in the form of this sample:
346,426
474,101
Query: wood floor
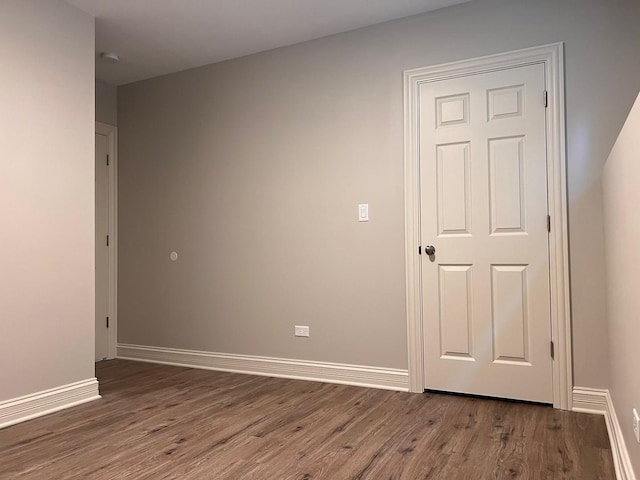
160,422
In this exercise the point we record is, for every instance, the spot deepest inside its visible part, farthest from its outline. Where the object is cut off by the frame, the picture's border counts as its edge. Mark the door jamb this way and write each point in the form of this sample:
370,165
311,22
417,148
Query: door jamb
111,133
552,57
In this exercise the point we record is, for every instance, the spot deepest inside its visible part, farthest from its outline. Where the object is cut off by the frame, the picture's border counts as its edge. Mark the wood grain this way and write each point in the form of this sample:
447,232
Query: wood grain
161,422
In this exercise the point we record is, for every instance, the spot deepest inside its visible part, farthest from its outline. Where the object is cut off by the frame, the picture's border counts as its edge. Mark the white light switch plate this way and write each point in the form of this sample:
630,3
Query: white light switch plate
363,212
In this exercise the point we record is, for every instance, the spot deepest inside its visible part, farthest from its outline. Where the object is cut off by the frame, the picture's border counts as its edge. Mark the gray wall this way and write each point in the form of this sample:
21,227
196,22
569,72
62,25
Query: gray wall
46,196
251,170
106,103
620,182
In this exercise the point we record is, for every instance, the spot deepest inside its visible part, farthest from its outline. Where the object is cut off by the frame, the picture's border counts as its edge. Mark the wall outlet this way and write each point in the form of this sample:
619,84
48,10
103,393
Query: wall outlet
636,425
301,331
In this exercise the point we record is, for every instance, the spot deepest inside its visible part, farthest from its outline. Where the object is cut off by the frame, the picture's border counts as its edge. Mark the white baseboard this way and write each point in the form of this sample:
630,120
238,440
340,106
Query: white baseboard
42,403
590,400
375,377
593,400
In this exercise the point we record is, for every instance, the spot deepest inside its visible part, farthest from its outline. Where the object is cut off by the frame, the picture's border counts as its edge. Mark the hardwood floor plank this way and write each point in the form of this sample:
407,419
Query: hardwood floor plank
162,422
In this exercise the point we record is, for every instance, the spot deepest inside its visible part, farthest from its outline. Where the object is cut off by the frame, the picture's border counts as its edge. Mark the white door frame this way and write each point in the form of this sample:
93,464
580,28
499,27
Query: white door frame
111,133
552,57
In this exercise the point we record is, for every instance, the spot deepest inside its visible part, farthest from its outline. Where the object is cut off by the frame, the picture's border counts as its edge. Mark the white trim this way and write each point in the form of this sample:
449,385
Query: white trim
551,56
25,408
589,400
111,133
374,377
593,400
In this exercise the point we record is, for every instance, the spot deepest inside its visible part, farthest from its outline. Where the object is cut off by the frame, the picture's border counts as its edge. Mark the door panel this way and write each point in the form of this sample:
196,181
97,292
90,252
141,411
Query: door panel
453,189
509,306
455,311
507,180
486,312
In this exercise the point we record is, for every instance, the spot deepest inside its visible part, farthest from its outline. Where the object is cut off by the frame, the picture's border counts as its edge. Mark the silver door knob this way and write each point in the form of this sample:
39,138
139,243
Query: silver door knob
430,250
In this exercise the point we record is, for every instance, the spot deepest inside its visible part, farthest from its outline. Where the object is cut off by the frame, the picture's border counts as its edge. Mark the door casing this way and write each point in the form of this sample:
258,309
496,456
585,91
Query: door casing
552,57
111,133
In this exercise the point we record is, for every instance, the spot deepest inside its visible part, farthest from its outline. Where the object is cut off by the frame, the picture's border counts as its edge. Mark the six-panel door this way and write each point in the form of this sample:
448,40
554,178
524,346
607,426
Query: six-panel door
483,177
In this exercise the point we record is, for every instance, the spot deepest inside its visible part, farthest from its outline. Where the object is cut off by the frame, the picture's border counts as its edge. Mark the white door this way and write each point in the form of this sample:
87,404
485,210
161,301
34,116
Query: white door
102,252
486,311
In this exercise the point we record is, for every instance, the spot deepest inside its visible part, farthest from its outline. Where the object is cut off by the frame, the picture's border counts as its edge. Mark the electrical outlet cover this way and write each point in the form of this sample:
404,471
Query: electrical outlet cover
636,425
301,331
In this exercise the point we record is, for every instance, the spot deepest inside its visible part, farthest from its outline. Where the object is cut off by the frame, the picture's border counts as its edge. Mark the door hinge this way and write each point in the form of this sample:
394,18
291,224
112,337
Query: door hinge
546,99
107,322
107,160
107,240
549,223
419,249
552,350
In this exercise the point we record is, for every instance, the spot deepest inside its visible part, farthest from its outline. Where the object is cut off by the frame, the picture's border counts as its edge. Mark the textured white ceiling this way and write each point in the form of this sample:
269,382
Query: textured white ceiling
155,37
